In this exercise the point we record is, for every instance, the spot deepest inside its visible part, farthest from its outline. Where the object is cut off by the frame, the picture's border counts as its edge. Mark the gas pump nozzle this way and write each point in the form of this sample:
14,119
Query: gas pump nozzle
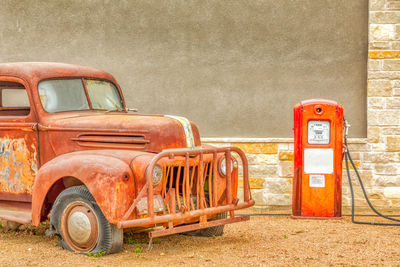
346,127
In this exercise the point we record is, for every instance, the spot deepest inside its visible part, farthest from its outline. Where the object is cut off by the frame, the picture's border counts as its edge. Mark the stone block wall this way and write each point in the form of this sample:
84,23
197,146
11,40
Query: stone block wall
377,157
382,158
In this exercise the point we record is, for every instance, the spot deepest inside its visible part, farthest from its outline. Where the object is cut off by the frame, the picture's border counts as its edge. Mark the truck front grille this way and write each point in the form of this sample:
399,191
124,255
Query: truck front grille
186,184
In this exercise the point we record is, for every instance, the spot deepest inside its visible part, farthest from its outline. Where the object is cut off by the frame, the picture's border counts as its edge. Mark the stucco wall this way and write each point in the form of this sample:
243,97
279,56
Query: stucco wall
235,68
377,157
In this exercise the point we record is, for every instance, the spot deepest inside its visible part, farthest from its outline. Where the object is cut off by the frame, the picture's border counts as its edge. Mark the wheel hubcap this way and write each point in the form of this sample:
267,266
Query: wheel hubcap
79,227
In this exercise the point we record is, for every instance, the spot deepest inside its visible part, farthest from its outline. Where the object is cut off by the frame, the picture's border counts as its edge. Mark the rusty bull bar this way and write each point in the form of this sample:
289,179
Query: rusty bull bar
230,205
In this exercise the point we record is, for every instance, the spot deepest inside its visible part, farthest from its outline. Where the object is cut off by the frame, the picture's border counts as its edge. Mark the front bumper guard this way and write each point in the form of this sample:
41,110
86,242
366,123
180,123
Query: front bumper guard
231,205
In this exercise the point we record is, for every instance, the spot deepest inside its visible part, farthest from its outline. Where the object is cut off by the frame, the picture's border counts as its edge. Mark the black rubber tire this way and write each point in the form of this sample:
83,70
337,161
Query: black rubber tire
211,231
110,237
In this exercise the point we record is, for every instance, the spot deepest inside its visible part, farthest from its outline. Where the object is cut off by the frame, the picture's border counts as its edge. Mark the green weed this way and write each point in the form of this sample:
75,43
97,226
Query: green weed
97,255
137,250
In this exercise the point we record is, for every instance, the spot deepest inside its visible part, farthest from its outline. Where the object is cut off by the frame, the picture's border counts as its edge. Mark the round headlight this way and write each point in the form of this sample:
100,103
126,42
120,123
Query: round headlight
157,174
222,166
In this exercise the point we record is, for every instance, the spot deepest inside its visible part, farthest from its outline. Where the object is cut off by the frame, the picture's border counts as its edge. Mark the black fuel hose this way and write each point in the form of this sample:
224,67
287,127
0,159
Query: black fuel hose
347,158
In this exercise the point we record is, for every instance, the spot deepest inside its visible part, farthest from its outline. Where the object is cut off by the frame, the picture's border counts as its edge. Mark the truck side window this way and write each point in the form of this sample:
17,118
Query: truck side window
14,99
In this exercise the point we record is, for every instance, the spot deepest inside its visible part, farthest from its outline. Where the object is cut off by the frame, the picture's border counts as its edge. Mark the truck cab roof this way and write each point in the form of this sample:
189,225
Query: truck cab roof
37,71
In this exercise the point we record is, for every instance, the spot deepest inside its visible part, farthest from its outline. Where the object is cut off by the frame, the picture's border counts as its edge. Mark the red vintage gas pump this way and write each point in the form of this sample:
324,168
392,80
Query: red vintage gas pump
318,142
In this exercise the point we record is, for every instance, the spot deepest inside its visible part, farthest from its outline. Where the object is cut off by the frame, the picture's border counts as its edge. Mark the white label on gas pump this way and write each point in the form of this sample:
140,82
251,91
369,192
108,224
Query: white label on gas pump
318,160
317,180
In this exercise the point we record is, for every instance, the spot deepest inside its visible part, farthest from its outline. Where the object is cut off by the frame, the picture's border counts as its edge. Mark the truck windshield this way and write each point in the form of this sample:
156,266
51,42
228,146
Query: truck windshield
69,94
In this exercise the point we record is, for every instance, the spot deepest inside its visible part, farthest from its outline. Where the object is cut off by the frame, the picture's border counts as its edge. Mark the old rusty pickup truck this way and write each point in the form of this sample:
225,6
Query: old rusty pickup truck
72,152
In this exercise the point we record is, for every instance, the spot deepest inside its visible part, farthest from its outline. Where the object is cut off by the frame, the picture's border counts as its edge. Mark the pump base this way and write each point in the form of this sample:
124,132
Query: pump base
314,218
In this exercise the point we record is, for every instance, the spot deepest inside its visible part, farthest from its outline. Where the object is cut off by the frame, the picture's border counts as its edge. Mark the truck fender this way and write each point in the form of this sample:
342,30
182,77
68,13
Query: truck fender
109,179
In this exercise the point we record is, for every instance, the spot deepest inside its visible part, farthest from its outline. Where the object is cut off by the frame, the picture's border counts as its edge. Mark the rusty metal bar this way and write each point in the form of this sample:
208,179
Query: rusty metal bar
178,199
197,226
192,177
194,152
184,186
215,166
205,171
201,183
133,206
246,183
165,180
228,167
191,186
228,171
182,216
187,181
210,189
171,177
150,196
197,188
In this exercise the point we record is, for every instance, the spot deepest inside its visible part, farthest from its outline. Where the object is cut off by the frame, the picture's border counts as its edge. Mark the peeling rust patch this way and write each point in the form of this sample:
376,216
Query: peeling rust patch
18,165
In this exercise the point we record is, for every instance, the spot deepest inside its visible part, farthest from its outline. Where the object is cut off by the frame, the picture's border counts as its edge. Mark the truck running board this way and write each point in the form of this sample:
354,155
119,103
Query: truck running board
14,211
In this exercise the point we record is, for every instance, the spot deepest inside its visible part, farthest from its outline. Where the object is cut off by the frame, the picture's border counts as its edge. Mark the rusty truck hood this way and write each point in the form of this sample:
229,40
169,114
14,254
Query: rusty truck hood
116,131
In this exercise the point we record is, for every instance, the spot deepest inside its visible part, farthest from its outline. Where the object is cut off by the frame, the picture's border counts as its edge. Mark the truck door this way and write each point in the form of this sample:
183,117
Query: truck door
18,141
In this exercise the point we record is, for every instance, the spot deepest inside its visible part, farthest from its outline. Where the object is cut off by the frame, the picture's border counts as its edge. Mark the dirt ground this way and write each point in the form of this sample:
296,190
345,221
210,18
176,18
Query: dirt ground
262,241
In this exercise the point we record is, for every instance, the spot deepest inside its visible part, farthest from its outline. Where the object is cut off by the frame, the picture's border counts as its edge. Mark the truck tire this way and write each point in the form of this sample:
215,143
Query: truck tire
211,231
80,223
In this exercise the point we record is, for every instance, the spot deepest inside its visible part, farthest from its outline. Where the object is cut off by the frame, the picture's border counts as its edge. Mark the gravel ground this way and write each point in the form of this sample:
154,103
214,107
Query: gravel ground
262,241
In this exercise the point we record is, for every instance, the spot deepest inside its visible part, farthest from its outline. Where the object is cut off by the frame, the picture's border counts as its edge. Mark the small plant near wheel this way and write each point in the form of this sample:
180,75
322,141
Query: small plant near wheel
97,255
